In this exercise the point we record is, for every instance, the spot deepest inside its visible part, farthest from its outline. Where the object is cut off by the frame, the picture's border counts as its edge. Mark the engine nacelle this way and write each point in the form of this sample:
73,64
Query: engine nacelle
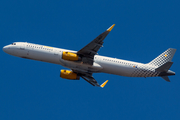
70,56
68,74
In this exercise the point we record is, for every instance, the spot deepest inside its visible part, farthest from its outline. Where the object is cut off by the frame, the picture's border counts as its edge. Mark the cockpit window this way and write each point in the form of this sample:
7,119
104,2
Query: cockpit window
13,44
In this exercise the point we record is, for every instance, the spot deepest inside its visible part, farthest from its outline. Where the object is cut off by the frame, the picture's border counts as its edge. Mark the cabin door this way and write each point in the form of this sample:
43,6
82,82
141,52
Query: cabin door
22,47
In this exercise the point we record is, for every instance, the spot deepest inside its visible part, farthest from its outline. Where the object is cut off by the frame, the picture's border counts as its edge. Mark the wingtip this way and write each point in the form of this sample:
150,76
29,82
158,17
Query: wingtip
103,84
110,28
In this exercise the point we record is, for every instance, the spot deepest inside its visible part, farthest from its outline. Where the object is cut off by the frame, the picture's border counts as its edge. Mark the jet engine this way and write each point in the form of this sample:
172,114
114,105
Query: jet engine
68,74
70,56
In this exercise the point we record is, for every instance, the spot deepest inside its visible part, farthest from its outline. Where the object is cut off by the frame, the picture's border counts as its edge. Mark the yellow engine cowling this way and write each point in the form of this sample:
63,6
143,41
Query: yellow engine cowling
70,56
68,74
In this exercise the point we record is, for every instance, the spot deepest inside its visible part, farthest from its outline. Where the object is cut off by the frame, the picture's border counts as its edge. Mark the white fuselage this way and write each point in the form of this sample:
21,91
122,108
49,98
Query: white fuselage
100,64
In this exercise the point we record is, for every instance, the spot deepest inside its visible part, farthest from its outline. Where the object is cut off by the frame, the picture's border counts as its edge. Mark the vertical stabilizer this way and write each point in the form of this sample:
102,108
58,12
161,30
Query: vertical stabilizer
163,58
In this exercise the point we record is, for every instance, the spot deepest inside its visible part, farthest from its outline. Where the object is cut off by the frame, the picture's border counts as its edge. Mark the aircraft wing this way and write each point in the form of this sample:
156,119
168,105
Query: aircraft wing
90,79
92,48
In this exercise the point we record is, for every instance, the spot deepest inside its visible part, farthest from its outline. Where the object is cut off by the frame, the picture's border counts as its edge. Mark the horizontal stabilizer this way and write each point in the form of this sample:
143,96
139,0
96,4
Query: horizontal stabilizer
166,78
103,84
165,67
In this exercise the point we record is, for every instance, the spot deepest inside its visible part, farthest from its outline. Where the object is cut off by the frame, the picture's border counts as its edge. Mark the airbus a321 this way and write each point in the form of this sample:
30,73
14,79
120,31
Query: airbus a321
86,61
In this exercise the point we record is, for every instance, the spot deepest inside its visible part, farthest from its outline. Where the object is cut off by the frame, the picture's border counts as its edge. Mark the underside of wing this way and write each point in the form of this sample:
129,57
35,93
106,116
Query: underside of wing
89,78
93,82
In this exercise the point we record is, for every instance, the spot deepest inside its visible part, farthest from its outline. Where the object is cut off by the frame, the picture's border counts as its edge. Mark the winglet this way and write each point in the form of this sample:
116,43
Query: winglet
110,28
103,84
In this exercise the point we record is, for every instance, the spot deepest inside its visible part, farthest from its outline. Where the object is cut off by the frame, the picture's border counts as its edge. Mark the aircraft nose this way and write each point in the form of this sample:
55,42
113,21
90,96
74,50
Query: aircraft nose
5,49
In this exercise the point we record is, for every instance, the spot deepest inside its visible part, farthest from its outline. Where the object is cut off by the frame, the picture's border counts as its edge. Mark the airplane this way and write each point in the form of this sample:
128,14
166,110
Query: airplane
86,61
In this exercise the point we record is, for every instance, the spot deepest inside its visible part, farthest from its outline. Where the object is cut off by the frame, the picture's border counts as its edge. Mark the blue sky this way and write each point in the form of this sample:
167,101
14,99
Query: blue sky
144,29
